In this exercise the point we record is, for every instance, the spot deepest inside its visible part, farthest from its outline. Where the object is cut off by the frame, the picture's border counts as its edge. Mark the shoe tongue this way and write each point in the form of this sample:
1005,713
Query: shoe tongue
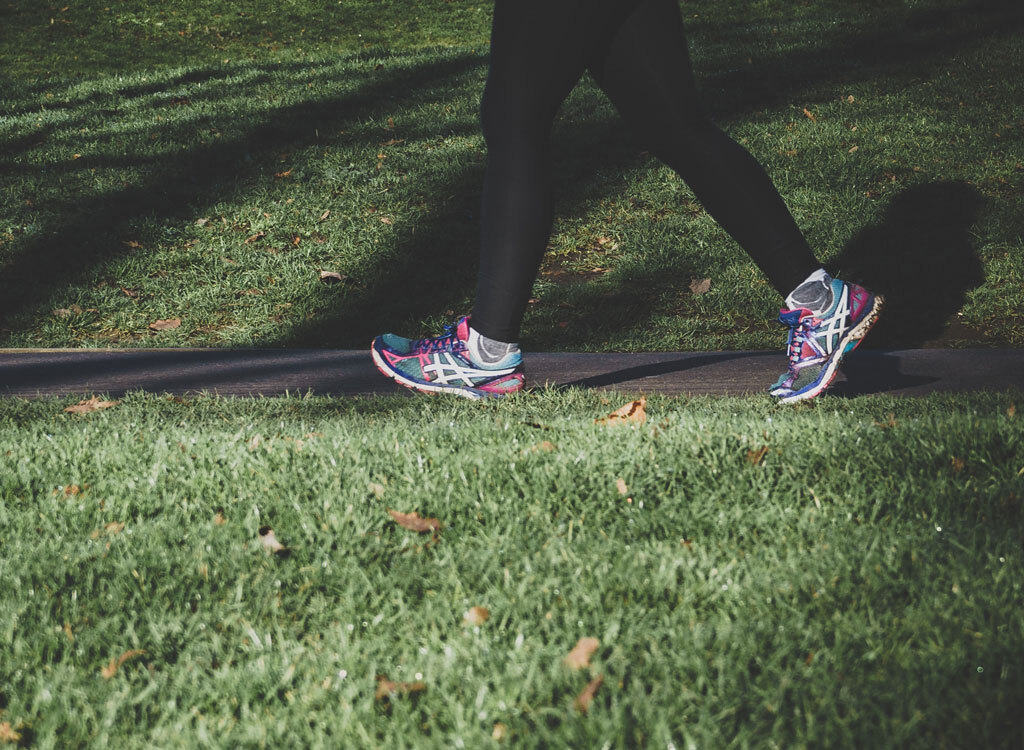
793,317
462,330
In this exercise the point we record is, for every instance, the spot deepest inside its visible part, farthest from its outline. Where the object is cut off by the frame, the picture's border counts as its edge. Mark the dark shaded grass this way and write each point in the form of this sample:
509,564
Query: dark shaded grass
205,142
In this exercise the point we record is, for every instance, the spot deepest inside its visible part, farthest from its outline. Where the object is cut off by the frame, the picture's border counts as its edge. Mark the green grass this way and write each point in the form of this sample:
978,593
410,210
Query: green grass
860,586
139,149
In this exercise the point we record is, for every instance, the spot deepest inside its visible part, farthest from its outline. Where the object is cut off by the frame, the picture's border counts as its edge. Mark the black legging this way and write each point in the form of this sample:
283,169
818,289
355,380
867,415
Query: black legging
636,51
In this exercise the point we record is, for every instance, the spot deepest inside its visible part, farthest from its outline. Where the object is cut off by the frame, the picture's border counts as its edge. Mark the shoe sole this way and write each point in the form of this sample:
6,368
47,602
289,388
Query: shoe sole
854,336
415,385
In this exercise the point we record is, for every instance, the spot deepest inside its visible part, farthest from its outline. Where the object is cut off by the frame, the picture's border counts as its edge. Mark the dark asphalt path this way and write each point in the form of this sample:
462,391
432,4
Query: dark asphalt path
269,372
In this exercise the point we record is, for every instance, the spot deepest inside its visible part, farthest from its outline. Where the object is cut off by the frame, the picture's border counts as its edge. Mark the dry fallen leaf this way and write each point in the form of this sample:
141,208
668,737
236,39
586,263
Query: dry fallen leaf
580,655
1011,411
850,99
755,457
270,544
325,214
853,150
620,485
499,732
475,616
165,325
582,702
92,404
129,292
72,489
545,446
253,238
255,441
386,688
283,174
218,518
68,633
7,733
330,277
114,664
111,529
635,413
891,422
202,222
810,115
376,488
413,522
700,286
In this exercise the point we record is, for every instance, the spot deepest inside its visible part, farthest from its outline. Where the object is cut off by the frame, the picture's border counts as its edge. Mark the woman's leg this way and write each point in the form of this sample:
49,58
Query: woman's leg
645,71
539,50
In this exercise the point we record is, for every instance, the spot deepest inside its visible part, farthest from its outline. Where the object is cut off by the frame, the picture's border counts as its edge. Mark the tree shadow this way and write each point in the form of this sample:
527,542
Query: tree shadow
430,268
921,257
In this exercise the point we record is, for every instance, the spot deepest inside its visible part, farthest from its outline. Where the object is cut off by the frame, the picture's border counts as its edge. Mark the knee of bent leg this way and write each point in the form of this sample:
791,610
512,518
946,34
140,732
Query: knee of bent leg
508,117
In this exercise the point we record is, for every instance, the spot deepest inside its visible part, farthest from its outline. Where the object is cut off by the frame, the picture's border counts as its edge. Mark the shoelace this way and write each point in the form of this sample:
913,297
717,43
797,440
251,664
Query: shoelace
799,334
447,342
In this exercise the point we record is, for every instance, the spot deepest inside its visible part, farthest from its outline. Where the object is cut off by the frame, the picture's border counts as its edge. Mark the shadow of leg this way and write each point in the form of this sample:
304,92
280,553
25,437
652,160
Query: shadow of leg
922,258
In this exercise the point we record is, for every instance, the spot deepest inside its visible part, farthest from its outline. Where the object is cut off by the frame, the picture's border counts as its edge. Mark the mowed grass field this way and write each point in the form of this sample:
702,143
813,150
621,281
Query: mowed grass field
844,574
205,164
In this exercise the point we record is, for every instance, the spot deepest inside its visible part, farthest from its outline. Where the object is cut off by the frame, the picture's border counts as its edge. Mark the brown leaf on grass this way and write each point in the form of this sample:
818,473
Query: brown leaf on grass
219,519
269,542
755,457
580,655
253,238
386,688
332,277
129,292
499,732
325,214
255,441
957,463
114,664
386,220
68,633
7,733
111,529
91,404
582,702
376,488
413,522
283,174
168,324
634,413
620,485
71,490
475,616
853,150
133,244
700,286
1011,411
202,222
890,422
810,115
850,99
545,446
393,142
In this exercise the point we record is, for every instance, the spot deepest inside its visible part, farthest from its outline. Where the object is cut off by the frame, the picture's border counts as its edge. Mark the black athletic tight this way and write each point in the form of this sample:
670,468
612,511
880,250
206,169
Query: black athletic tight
636,51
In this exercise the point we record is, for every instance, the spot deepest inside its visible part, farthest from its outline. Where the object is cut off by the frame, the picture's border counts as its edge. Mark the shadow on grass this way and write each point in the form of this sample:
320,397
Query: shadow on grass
921,257
425,272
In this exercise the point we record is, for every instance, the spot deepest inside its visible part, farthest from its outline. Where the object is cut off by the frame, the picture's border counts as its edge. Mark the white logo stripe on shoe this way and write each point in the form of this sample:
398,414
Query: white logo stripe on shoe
446,368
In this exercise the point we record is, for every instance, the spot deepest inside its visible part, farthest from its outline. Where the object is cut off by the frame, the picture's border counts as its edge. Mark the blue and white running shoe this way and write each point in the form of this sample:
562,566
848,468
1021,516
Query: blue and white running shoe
817,345
443,365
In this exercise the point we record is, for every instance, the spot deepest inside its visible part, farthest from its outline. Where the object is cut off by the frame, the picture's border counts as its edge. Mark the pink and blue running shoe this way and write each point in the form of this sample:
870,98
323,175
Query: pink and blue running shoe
817,345
443,365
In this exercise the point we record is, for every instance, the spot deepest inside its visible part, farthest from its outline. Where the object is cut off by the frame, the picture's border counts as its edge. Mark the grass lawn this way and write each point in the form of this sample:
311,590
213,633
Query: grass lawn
204,163
845,574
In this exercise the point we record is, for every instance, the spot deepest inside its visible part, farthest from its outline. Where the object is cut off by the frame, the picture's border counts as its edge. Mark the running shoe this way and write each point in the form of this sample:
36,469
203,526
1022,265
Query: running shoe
817,345
443,365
